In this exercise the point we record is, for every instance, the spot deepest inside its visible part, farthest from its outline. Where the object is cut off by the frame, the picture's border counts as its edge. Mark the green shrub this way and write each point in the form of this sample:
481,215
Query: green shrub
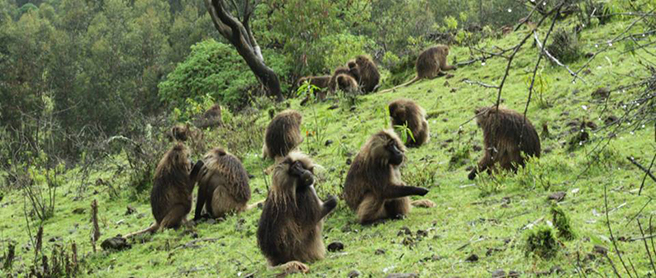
565,46
217,70
541,242
562,223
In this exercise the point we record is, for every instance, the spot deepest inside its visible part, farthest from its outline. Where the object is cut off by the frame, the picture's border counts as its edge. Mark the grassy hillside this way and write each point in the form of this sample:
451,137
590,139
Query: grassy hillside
489,217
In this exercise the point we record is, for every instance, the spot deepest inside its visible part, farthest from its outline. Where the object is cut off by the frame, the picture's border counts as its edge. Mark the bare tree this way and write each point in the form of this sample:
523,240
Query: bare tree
237,31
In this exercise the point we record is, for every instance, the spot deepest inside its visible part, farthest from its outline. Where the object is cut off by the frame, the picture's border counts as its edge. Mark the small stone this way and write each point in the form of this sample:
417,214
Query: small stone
354,273
328,142
499,273
602,93
422,233
333,107
130,210
402,275
404,231
472,258
600,250
115,243
379,252
335,246
558,196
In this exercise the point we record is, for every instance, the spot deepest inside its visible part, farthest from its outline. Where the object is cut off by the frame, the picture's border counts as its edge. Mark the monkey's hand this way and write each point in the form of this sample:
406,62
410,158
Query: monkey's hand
420,191
472,174
329,205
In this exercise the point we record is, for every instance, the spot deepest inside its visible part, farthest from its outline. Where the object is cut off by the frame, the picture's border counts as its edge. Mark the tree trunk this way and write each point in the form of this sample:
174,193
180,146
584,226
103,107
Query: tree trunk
241,37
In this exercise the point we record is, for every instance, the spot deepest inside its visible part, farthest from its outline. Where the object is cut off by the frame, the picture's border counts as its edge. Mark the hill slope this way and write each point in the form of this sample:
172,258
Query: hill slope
487,217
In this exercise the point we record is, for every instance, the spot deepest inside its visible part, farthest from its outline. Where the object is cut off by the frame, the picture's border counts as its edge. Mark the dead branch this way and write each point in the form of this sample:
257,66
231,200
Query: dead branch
473,82
192,243
516,49
646,170
552,58
610,231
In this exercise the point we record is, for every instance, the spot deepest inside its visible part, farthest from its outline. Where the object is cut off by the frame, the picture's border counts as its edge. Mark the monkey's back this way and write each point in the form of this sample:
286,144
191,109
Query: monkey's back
225,172
428,64
369,75
170,190
283,134
363,177
510,133
286,230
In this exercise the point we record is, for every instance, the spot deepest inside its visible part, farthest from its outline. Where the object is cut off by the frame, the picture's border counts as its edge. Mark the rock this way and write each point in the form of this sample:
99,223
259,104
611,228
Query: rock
422,233
348,161
335,246
499,273
115,243
354,273
513,273
404,231
328,142
602,93
610,120
130,210
558,196
472,258
379,252
333,107
402,275
600,250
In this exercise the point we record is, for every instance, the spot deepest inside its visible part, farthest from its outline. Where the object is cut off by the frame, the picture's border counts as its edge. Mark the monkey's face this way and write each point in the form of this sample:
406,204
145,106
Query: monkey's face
482,114
292,176
397,113
395,155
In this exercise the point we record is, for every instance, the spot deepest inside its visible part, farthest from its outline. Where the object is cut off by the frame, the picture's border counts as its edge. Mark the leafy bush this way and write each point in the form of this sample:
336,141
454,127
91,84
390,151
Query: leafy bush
215,69
541,242
562,223
565,46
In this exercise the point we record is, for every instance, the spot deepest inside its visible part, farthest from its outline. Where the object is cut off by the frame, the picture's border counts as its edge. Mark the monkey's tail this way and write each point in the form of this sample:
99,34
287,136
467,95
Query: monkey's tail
255,205
153,228
417,78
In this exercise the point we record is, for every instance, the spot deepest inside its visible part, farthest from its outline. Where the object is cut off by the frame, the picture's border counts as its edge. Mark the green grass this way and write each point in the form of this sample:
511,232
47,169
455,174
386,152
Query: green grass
487,217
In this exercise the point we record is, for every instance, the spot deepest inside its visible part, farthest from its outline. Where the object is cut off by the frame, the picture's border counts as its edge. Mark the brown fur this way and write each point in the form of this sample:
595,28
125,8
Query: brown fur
430,64
211,118
282,135
179,132
369,75
290,226
322,82
222,185
373,187
173,184
409,113
506,135
354,70
339,71
346,83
